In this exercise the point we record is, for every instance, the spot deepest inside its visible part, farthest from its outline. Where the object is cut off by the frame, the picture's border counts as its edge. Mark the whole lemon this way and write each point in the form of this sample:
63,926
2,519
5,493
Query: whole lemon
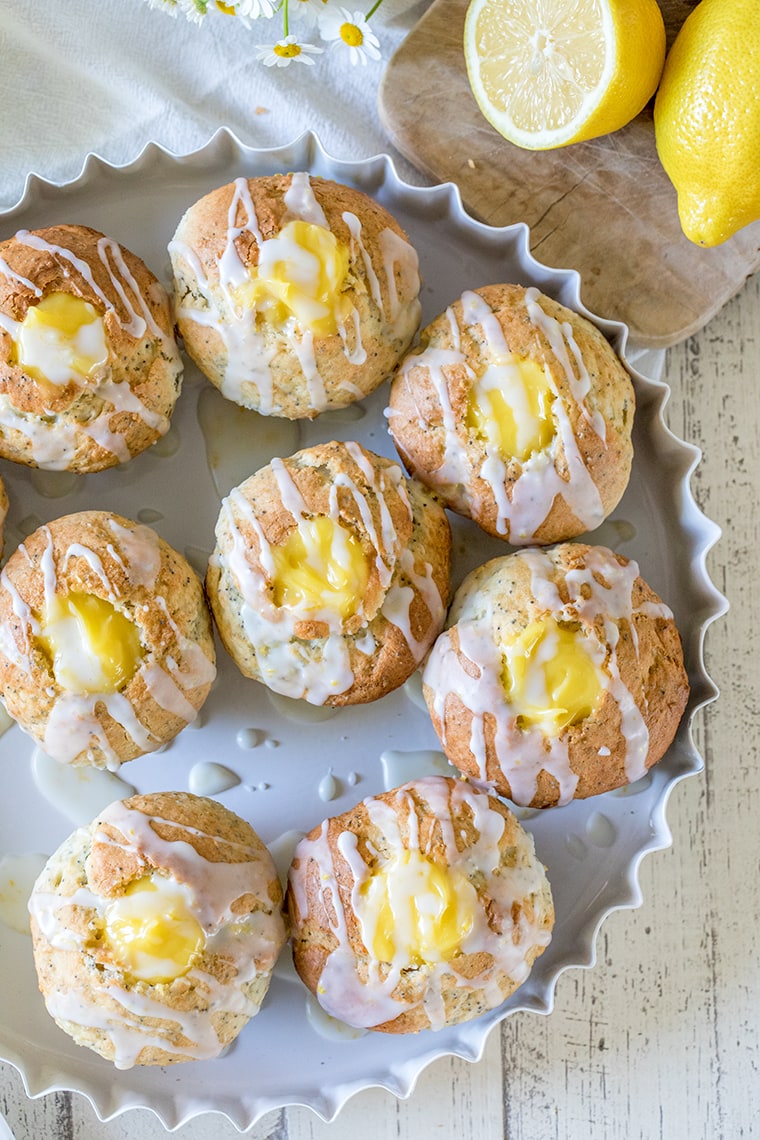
707,119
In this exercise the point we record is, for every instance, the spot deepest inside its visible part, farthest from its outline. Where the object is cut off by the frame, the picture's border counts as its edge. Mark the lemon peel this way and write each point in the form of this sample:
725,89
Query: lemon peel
707,120
546,73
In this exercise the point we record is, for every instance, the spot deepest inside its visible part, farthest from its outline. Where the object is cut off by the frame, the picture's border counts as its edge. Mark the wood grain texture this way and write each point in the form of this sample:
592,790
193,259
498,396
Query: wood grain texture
605,207
661,1041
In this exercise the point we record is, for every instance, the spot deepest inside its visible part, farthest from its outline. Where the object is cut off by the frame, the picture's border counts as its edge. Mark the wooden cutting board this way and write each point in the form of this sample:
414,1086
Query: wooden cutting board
605,207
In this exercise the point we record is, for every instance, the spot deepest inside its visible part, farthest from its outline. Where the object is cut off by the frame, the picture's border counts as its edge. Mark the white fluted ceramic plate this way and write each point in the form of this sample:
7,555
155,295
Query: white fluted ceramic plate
592,849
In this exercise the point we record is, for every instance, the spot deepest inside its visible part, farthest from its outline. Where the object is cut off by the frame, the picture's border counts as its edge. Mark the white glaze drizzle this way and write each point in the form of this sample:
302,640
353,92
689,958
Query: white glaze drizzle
366,1001
11,274
140,552
522,752
53,450
250,945
563,343
286,666
355,229
249,353
78,550
304,350
523,505
28,626
399,255
301,201
397,603
356,355
74,727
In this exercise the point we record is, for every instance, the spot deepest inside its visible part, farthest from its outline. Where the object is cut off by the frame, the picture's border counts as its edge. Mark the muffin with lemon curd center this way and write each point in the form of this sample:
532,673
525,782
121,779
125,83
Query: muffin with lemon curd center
421,907
330,576
89,367
106,647
516,412
294,294
156,929
560,675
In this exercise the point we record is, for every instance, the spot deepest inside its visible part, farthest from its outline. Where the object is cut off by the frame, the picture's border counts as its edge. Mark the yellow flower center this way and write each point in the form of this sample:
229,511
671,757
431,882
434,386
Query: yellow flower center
287,51
226,8
351,35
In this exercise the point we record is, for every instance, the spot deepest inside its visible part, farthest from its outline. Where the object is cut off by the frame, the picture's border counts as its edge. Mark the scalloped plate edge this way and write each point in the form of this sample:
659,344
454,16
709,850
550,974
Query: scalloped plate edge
305,151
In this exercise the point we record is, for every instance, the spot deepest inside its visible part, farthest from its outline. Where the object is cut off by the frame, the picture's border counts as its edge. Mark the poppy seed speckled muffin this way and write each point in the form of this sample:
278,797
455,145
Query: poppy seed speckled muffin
330,576
294,294
560,675
420,908
106,643
156,929
518,413
89,367
3,513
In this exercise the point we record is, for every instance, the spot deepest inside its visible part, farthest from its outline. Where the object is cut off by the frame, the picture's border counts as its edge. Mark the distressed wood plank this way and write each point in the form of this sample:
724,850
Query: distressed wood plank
452,1098
661,1038
604,207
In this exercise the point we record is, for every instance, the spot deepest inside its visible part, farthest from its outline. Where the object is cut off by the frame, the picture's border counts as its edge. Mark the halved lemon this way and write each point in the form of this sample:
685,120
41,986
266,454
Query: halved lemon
546,73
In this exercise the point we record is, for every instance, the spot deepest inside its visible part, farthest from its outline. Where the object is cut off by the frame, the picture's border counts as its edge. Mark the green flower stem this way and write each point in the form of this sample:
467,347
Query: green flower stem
285,25
372,10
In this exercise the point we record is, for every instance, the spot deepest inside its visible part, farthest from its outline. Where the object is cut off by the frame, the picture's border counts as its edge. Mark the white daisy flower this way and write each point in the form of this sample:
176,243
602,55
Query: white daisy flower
195,10
285,52
309,12
253,9
168,6
351,31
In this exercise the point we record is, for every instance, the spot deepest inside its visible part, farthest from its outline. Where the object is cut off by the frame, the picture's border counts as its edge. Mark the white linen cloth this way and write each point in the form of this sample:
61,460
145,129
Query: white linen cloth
108,76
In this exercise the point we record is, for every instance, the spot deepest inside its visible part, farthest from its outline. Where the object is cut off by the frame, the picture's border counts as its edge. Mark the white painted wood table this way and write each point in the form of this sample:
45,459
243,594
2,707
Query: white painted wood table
660,1038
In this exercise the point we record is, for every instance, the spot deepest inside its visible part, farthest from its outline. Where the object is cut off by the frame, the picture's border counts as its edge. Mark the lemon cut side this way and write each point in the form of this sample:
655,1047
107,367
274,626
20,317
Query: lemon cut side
546,73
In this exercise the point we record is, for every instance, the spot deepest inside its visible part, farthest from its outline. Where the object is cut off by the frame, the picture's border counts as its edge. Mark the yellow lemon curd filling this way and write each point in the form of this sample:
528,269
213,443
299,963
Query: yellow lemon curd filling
550,678
92,646
416,909
320,566
62,338
509,408
301,273
151,930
